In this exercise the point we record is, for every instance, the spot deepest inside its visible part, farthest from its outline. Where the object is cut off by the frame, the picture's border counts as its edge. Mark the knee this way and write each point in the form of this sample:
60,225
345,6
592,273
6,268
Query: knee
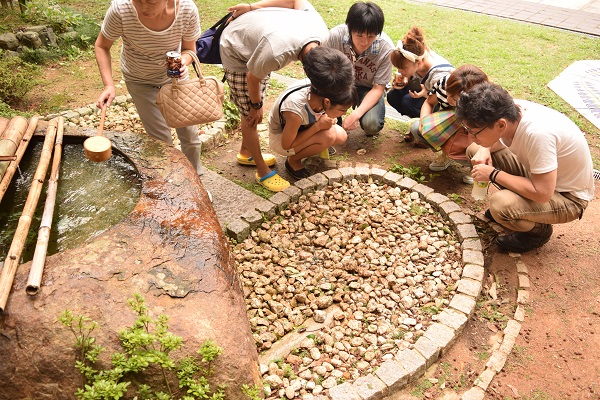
500,204
471,150
371,126
414,128
337,135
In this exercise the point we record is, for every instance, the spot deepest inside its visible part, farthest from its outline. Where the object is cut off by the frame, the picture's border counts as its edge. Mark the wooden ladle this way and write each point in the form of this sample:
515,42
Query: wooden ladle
98,148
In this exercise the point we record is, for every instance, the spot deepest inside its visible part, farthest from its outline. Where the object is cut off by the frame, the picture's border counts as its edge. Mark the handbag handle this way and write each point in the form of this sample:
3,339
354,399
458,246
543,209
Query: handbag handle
195,62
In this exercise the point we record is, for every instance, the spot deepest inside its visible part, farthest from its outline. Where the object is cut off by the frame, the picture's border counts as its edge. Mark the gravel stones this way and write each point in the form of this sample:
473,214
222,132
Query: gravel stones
377,259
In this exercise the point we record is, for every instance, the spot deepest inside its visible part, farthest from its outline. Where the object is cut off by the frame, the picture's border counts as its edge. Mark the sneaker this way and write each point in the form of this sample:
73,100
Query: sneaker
522,242
468,179
488,215
441,162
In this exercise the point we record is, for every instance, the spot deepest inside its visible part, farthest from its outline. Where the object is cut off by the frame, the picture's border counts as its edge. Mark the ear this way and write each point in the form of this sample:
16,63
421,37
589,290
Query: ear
501,124
326,103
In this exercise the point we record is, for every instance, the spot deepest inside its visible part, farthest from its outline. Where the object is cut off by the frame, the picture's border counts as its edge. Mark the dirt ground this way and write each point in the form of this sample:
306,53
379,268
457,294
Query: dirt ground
557,354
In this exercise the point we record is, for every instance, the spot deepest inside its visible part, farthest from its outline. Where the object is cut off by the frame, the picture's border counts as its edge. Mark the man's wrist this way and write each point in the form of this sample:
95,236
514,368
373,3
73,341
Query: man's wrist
256,106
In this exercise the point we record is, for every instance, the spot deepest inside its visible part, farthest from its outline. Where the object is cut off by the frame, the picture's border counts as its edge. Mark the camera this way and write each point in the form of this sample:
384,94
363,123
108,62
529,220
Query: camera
414,84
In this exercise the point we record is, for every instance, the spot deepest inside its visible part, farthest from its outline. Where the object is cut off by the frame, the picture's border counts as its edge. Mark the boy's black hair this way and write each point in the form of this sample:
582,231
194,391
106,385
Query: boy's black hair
365,17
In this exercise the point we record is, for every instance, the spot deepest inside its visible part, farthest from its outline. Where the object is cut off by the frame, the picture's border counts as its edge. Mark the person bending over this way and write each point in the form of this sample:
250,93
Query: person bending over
302,122
414,59
538,158
260,40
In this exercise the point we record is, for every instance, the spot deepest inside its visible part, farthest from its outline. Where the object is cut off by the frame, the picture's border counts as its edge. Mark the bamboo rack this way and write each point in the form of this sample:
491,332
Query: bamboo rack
41,248
12,167
9,269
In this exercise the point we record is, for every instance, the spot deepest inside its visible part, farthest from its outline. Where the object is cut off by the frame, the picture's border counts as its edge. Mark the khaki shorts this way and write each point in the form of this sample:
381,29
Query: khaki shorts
238,90
275,146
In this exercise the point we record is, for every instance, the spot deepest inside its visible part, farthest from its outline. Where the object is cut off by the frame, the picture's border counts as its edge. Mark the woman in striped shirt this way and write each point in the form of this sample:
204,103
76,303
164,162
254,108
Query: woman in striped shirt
149,29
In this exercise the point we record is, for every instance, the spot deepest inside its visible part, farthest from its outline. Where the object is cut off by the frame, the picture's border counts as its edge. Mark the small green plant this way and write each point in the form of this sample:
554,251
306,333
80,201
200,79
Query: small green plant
421,387
412,172
232,114
17,78
147,345
456,198
253,392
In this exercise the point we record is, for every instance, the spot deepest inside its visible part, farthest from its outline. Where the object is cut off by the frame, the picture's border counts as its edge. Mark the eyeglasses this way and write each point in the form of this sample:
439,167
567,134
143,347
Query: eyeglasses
470,131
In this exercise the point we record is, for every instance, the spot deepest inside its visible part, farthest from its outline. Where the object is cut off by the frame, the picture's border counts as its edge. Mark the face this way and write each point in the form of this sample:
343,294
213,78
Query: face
408,68
336,111
150,8
485,136
452,100
362,41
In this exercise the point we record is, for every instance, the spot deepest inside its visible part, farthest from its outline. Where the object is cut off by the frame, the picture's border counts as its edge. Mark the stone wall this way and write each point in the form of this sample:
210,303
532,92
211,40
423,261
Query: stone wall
33,37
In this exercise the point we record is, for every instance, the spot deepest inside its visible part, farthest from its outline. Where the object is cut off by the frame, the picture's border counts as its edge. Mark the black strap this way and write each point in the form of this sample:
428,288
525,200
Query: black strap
281,119
221,23
431,69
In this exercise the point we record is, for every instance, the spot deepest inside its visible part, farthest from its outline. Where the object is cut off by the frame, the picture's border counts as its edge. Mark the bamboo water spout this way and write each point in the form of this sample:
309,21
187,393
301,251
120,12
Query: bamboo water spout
41,248
13,165
9,269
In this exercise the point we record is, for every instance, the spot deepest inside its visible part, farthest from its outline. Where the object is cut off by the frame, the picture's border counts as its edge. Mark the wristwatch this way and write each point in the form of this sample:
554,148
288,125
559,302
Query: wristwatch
256,106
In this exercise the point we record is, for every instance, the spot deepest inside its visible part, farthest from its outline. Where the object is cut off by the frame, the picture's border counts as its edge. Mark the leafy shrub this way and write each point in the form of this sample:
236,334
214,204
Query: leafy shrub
17,78
49,12
147,345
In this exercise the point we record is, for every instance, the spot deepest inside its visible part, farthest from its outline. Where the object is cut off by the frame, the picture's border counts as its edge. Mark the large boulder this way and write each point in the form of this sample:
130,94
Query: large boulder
170,249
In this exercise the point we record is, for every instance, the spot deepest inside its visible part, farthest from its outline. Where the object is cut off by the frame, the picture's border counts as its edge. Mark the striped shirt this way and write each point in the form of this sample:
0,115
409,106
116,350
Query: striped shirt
143,55
439,89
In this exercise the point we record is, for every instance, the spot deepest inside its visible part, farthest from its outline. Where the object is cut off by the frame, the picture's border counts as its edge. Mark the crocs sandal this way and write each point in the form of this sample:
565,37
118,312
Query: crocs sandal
298,174
327,153
269,159
273,182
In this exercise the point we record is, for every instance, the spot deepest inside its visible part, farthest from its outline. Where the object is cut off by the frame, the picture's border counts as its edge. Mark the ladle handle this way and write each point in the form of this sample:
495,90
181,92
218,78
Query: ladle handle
102,116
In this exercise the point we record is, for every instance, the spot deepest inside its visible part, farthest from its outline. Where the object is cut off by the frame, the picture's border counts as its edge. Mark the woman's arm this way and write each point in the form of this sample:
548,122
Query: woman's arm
243,8
103,59
429,105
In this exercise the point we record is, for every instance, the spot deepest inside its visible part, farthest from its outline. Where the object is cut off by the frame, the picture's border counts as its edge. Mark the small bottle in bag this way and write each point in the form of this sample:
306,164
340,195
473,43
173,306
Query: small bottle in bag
479,190
173,64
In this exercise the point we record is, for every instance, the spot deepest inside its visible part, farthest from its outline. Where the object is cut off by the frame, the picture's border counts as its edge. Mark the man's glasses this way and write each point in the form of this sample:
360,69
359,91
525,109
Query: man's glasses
470,131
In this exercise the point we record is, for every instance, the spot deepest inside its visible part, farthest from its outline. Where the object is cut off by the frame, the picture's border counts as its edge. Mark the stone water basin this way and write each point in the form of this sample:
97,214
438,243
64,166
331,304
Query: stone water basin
169,248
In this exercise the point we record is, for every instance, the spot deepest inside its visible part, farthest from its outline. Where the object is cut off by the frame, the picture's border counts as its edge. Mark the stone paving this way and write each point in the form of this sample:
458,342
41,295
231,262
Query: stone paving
581,16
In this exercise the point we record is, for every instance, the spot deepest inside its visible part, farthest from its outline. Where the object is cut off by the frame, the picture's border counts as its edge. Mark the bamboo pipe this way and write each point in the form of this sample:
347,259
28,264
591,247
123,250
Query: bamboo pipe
12,167
3,124
9,269
11,139
41,248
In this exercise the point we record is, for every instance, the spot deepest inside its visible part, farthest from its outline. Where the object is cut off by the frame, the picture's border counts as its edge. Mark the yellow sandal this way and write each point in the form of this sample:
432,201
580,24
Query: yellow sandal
269,159
273,182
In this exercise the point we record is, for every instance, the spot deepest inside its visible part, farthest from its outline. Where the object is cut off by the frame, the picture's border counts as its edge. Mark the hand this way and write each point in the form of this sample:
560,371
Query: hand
481,172
351,122
239,9
416,95
324,122
483,156
399,82
183,71
254,117
106,97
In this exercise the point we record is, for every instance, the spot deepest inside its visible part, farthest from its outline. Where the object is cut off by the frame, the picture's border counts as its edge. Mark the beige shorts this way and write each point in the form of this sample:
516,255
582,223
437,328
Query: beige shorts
275,145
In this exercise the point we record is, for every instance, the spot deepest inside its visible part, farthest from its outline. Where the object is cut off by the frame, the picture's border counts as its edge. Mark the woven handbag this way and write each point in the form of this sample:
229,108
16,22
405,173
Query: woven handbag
192,101
438,127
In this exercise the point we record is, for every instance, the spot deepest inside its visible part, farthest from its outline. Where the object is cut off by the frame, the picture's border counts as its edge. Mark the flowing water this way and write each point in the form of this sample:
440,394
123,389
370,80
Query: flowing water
91,197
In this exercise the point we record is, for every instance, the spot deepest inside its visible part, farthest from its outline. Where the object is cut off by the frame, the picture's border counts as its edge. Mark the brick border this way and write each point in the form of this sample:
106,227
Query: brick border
409,364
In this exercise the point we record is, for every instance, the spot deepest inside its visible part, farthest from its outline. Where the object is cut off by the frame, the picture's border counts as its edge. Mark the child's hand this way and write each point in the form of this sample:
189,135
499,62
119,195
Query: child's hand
324,122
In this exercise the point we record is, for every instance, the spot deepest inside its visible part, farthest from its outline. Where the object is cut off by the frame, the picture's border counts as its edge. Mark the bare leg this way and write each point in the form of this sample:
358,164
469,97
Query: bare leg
251,146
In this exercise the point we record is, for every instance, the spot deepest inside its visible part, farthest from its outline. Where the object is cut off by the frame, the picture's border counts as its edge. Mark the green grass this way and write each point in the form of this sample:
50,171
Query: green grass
521,57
